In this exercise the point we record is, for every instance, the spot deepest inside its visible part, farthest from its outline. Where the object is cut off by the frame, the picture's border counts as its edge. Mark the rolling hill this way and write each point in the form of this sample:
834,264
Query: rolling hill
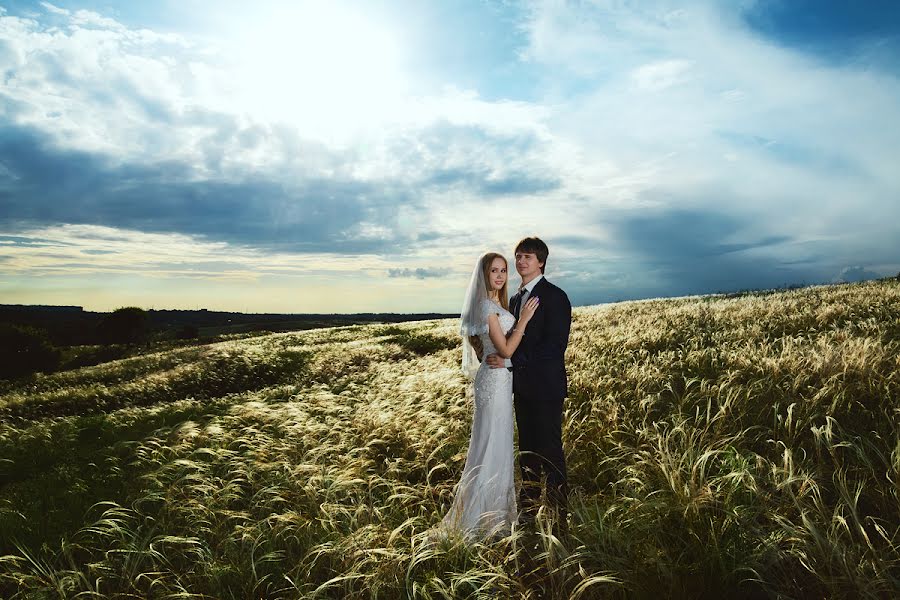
740,447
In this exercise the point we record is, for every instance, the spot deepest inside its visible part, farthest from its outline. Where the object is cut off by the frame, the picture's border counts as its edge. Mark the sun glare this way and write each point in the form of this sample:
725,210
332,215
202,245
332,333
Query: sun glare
321,67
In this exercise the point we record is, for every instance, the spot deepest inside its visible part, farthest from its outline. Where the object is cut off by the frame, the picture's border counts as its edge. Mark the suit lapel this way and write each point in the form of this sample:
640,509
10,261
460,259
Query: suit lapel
537,289
535,292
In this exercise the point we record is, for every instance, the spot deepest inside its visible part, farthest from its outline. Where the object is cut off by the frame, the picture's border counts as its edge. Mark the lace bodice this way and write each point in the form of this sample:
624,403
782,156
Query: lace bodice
507,320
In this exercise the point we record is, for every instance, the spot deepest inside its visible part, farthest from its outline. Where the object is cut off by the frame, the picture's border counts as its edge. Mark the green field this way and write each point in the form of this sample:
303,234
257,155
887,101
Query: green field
718,447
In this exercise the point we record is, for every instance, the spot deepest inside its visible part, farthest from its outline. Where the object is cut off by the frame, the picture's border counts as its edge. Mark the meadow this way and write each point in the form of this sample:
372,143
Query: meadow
718,447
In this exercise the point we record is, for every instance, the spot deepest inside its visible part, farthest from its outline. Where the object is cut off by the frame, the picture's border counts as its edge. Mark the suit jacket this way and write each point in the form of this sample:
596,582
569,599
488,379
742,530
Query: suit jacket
539,368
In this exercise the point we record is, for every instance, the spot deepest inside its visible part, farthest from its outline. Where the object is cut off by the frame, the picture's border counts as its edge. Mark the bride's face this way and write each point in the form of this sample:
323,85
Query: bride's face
498,274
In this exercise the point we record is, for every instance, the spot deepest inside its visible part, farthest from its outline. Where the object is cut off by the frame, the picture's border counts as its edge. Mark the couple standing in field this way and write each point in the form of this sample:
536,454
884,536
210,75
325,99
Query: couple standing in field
523,343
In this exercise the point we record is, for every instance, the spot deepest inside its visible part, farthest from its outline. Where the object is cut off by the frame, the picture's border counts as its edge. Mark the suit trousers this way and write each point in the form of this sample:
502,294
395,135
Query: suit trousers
539,422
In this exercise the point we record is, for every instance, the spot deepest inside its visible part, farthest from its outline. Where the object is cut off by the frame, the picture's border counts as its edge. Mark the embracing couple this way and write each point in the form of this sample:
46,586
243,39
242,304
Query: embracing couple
522,342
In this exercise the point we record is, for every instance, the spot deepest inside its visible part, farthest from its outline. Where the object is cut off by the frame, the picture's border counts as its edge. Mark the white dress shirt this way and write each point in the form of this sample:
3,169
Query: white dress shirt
524,293
527,288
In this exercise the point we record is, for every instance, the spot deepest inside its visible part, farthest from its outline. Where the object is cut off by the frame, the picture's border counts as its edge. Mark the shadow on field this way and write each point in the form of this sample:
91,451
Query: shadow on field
204,374
91,459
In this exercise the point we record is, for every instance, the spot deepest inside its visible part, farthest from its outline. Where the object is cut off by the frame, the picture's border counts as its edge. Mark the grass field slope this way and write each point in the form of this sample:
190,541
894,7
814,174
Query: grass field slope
744,447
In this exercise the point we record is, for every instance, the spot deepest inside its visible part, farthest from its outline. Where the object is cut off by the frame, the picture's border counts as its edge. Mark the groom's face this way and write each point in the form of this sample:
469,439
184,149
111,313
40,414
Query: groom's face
527,265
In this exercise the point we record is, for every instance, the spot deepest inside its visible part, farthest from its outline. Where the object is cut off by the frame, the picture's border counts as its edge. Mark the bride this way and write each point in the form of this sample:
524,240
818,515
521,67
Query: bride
485,504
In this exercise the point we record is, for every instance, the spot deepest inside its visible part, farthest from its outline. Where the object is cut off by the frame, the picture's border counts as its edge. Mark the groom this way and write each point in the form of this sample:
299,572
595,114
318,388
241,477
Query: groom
539,384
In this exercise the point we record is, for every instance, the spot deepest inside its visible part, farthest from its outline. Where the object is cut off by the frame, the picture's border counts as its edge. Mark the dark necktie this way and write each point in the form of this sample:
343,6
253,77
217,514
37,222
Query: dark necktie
518,301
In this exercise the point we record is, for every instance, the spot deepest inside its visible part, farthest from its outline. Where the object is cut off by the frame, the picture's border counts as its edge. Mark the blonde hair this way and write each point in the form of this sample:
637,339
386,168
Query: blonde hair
486,261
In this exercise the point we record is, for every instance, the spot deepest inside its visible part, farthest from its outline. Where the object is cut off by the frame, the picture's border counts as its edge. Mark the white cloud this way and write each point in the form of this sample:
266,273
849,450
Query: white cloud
221,110
683,103
87,249
660,75
55,9
654,106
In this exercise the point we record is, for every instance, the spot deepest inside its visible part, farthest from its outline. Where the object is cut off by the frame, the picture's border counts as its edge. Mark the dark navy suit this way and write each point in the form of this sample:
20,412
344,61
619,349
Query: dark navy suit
539,388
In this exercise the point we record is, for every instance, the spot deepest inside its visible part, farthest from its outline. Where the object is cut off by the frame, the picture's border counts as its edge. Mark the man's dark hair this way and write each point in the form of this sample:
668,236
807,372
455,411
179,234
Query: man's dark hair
536,246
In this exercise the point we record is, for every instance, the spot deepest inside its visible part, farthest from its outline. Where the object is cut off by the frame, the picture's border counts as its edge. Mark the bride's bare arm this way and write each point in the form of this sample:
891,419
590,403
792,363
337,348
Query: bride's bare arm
507,345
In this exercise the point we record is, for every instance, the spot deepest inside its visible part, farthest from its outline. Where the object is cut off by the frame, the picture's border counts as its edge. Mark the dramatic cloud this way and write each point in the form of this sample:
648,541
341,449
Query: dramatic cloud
725,159
311,215
659,147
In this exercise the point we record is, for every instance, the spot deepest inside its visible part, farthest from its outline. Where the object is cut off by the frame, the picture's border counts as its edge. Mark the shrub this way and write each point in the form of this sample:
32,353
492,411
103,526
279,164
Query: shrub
418,342
25,350
125,325
188,332
88,356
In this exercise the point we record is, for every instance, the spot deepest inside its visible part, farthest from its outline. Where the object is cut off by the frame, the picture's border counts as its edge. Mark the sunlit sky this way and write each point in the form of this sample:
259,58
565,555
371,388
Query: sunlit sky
346,156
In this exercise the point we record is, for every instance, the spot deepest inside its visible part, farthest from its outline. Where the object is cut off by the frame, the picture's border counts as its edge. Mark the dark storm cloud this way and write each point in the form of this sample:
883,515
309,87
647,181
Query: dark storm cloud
692,251
668,251
44,185
673,236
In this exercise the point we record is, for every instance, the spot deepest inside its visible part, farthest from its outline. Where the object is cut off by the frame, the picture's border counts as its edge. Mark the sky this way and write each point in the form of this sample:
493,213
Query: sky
359,156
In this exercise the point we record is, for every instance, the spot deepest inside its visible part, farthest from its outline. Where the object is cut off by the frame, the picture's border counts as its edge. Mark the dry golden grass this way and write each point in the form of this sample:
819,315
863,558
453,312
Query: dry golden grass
717,447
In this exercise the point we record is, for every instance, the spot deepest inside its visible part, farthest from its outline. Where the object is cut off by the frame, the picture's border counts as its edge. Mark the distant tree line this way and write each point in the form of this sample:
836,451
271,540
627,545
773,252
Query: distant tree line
26,349
50,338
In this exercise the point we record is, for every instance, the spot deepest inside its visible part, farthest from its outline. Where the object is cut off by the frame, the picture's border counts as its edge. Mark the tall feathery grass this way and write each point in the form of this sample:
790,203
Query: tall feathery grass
717,447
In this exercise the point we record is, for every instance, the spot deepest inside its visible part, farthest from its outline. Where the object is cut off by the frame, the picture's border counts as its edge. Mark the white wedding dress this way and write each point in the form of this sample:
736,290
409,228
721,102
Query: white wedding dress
484,504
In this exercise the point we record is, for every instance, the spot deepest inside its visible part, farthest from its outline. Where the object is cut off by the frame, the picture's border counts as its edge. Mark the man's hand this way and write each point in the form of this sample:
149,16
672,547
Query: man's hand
495,361
477,346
